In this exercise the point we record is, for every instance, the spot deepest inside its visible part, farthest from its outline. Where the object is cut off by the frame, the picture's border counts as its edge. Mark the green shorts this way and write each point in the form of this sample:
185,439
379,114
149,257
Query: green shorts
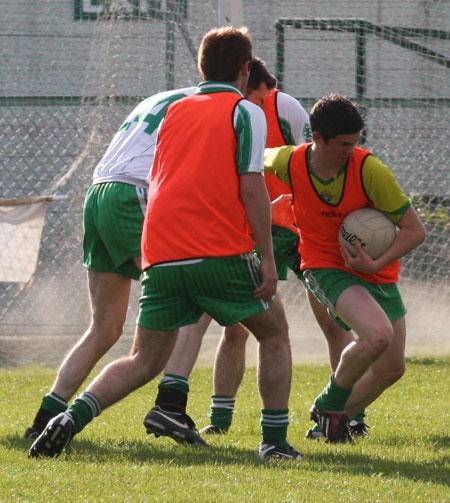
177,295
328,284
285,251
113,215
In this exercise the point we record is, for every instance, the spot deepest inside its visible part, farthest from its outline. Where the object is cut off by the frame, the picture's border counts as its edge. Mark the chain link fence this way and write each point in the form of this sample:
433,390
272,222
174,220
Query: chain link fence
72,70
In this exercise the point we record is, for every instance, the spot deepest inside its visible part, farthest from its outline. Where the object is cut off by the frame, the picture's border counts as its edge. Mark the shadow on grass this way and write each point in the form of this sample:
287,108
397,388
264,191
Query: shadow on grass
342,461
141,451
433,441
440,441
436,471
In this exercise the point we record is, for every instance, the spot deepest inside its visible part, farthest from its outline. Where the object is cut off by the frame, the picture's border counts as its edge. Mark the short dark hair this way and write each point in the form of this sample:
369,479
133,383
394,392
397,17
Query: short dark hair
222,53
259,74
335,114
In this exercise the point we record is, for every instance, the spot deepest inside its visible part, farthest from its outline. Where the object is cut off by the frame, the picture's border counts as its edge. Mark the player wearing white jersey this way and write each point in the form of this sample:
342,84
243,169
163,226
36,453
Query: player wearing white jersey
130,153
113,215
293,118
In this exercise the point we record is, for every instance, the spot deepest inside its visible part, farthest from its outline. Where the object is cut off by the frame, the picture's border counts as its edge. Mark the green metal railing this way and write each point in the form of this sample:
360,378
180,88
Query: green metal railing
399,36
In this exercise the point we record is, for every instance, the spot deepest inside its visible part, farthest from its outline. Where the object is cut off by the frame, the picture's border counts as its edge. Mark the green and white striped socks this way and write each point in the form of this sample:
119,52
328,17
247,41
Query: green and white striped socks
274,425
222,408
84,409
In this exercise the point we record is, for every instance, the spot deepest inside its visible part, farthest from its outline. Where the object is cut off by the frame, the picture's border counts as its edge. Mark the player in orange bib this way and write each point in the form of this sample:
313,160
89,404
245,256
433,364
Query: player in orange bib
330,178
207,208
288,123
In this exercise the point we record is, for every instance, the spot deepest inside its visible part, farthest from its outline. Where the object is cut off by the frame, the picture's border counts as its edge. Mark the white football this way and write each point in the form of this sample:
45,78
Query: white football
371,228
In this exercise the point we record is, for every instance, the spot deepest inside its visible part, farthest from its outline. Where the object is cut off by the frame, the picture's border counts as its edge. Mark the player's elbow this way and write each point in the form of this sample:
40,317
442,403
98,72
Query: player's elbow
252,187
422,235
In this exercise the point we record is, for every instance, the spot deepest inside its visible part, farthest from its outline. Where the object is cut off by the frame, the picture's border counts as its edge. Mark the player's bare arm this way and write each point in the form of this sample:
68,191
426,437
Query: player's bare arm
257,206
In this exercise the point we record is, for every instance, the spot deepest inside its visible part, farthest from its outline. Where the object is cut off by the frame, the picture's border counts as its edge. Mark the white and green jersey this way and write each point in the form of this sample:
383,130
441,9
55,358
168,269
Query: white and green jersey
129,156
294,120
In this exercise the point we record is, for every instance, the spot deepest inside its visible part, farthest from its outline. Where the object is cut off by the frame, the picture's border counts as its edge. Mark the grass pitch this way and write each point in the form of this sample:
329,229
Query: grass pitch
406,459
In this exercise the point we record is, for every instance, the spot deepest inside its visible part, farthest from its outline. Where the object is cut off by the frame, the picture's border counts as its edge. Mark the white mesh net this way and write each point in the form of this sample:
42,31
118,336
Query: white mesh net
72,70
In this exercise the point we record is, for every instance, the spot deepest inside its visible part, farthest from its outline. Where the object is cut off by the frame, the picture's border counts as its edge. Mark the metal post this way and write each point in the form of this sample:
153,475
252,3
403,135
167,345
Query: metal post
279,69
170,48
360,79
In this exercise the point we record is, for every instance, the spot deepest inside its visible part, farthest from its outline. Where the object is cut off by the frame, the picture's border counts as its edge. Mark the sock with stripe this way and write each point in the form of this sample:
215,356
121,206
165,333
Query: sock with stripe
173,393
274,425
51,405
84,409
222,408
333,397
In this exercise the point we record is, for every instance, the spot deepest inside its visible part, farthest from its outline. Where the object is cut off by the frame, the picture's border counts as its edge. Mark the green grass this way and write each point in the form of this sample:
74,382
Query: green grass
406,459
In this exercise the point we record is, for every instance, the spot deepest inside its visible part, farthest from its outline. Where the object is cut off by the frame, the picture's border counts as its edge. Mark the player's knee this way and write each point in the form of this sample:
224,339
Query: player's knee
273,333
146,368
280,331
236,334
110,333
391,374
101,337
380,339
396,372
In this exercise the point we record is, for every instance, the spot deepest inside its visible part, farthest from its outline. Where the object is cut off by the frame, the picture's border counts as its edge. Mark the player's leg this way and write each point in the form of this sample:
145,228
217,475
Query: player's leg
355,306
274,378
274,351
173,388
236,278
229,364
112,221
384,372
229,368
117,380
348,296
230,355
274,354
337,337
109,295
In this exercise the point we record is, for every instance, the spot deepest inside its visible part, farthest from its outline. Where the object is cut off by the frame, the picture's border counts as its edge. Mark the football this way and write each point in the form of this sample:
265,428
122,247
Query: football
371,228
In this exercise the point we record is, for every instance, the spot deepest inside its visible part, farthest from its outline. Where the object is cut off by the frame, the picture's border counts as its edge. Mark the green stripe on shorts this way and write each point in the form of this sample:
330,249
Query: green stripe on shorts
177,295
327,284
